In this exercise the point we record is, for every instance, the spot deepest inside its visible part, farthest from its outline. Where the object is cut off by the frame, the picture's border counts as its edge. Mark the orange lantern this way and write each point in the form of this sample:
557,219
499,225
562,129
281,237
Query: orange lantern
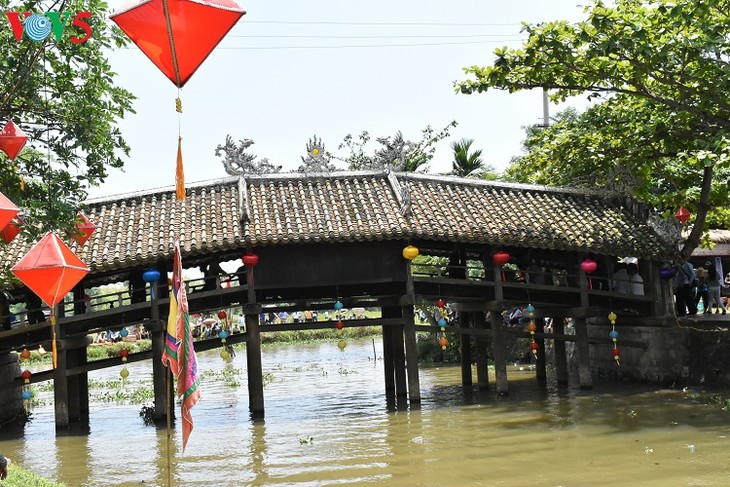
12,229
84,229
12,139
50,269
177,35
8,210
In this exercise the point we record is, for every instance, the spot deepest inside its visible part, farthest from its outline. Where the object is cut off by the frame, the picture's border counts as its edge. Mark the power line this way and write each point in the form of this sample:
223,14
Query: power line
364,46
337,22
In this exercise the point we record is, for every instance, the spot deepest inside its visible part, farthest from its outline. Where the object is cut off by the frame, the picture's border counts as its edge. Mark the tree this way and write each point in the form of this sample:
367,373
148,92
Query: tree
467,164
661,75
236,161
62,95
396,153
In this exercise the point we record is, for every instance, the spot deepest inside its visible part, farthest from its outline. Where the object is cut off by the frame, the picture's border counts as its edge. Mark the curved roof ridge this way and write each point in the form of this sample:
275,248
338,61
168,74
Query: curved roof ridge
161,189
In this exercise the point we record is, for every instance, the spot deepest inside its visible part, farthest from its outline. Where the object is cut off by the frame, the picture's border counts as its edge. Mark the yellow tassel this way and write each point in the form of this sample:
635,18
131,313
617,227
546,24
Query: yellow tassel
178,105
179,174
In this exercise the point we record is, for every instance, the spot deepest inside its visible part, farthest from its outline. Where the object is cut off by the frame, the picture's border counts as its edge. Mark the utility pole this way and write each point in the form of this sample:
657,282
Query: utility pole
545,109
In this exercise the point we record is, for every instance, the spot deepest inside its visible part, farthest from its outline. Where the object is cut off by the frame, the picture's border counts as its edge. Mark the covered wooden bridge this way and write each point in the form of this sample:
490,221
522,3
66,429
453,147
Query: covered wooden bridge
322,238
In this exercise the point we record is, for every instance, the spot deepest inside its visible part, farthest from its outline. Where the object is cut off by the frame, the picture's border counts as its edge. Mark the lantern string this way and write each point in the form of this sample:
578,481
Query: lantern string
54,347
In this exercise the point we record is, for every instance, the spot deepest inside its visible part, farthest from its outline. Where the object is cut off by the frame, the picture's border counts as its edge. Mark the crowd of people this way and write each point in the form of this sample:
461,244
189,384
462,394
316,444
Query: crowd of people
702,285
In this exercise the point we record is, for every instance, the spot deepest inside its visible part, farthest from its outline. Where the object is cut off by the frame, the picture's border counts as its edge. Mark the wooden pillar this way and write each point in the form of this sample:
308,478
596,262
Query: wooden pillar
399,359
561,361
500,356
78,386
162,382
482,365
60,384
465,350
540,363
581,336
388,359
253,350
409,335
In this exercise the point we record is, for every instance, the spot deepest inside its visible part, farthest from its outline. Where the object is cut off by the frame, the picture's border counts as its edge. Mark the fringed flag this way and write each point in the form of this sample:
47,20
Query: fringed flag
188,380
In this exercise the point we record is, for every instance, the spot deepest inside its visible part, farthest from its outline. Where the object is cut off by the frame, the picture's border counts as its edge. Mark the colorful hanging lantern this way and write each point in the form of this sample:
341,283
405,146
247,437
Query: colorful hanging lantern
50,269
12,229
532,328
84,229
440,303
178,35
225,355
151,277
501,258
25,354
443,342
8,211
339,325
589,266
341,345
12,140
613,335
682,215
27,395
124,353
666,273
222,315
410,252
124,373
339,305
124,333
250,259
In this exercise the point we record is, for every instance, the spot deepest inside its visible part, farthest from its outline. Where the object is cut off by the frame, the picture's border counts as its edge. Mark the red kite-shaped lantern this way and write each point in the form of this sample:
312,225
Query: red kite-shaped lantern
50,269
8,210
178,35
12,229
84,229
682,214
12,139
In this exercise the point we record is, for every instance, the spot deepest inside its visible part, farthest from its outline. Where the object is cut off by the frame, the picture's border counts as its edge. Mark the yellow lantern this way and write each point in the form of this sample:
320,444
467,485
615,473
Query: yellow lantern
410,252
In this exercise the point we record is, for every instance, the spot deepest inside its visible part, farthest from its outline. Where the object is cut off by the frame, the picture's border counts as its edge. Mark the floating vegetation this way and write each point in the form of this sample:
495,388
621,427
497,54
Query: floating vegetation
305,440
268,378
147,413
344,371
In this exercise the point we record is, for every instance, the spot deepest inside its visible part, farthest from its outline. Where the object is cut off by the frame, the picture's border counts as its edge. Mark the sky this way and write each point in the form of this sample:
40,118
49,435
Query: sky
290,70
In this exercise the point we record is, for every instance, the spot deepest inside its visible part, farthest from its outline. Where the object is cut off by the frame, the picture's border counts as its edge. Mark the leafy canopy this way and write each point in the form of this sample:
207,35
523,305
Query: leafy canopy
660,74
63,96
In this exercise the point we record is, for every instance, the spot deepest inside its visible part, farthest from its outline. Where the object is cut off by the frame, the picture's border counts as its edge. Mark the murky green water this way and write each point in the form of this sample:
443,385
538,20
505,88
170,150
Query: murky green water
617,436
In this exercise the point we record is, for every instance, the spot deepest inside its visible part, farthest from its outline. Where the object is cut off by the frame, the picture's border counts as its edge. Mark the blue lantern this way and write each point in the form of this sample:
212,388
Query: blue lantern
339,305
613,335
223,334
151,277
442,322
26,395
123,332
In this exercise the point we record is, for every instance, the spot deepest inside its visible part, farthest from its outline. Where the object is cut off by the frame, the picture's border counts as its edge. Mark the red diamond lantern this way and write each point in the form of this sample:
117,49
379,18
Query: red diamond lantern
682,214
12,139
8,210
12,229
50,269
84,229
177,35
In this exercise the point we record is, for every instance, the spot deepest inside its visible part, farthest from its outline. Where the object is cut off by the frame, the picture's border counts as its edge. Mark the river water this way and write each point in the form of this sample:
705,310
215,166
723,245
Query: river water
327,423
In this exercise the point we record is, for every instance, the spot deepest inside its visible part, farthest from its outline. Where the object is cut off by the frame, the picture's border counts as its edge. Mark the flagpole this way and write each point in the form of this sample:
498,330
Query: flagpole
168,408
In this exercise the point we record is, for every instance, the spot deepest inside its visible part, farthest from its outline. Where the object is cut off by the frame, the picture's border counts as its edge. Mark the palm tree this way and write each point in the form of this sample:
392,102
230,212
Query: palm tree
466,164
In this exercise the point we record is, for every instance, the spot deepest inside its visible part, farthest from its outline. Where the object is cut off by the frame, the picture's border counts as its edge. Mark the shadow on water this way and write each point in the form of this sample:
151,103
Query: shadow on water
328,422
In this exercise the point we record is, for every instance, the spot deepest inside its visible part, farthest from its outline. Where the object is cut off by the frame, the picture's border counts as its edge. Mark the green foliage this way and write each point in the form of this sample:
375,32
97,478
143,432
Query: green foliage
20,477
468,163
661,75
63,97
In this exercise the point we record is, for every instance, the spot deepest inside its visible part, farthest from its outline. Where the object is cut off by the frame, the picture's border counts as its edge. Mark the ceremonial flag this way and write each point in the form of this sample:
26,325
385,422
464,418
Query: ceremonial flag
188,380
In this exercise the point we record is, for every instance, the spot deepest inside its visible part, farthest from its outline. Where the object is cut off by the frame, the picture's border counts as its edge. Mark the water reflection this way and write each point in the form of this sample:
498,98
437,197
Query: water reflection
328,423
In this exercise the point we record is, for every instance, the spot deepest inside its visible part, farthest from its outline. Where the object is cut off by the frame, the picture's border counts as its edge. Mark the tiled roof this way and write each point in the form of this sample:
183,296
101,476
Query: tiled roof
292,208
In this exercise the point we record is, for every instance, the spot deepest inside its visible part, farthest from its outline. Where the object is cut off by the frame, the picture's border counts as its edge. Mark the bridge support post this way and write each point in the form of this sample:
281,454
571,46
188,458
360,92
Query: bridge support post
561,360
78,386
409,331
60,384
161,383
540,368
500,364
399,360
253,350
465,349
584,360
388,354
479,323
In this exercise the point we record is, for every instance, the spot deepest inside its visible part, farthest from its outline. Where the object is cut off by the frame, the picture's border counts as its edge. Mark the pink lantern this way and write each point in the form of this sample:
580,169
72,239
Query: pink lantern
588,266
12,140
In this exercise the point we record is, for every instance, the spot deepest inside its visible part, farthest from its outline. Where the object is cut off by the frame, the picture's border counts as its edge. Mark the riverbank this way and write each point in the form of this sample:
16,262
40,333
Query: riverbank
20,477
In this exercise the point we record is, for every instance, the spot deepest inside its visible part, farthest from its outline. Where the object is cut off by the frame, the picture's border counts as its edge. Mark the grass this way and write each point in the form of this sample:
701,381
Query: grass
20,477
